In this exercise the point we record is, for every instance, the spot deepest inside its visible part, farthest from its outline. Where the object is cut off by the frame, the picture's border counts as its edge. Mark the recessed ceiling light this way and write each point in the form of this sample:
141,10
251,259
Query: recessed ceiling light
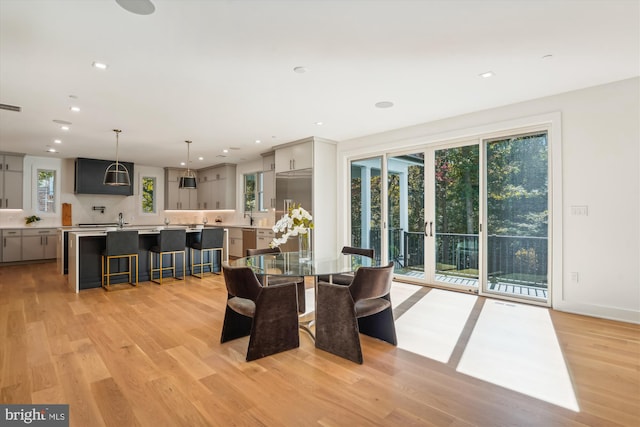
319,123
225,151
65,127
57,141
200,158
182,164
52,150
75,109
300,70
487,74
258,141
100,65
384,104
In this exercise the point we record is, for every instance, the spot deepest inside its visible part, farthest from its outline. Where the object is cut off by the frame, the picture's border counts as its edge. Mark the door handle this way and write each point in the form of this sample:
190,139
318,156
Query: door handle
431,229
426,233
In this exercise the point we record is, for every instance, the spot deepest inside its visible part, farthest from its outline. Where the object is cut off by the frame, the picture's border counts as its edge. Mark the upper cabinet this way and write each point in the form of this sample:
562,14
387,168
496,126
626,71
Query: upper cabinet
176,198
11,181
294,156
268,161
217,187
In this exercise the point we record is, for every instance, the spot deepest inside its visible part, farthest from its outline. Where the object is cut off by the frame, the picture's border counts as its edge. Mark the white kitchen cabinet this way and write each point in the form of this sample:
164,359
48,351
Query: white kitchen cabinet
178,198
11,177
224,187
269,161
323,203
264,236
217,187
11,245
38,243
235,242
269,189
294,156
205,194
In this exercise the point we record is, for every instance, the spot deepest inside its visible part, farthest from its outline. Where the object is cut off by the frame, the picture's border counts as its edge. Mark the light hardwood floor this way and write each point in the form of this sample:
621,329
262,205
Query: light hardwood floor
151,356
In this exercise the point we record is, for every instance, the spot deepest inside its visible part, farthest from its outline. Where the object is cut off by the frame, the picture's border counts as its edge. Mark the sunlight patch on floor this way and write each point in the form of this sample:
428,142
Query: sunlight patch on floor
515,346
432,326
400,292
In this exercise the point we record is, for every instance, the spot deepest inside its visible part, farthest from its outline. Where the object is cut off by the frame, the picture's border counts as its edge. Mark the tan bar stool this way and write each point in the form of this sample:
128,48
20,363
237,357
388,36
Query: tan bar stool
209,242
170,241
120,244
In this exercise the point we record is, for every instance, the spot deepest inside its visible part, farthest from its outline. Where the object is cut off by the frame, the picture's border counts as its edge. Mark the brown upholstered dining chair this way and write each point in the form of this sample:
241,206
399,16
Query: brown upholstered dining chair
363,306
274,280
345,279
268,314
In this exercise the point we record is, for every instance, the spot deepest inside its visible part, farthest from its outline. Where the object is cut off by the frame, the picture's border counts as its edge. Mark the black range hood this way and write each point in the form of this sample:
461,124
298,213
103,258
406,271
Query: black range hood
89,178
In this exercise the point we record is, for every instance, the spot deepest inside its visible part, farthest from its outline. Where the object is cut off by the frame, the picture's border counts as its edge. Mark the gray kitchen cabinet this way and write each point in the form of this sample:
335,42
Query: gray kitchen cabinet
11,177
11,245
269,189
269,161
219,187
38,243
235,242
294,156
177,198
264,236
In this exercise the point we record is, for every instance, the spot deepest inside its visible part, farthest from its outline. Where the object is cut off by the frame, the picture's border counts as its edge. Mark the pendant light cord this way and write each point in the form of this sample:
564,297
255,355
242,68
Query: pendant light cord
117,131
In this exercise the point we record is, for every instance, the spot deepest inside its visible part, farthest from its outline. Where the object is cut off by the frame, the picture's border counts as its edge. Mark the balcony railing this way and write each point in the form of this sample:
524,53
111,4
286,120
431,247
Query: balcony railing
511,259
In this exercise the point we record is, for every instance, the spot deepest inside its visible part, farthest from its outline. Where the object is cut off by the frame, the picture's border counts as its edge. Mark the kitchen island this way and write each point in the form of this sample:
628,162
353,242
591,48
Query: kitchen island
85,247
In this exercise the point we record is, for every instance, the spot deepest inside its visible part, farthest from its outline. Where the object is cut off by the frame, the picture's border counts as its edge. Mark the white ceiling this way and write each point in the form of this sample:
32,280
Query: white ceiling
220,73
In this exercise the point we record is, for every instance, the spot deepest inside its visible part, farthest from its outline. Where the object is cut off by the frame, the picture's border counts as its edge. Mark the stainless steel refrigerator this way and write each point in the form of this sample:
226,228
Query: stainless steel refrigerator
293,188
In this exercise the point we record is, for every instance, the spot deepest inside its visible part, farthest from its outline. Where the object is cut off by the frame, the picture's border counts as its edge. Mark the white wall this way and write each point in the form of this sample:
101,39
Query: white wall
600,153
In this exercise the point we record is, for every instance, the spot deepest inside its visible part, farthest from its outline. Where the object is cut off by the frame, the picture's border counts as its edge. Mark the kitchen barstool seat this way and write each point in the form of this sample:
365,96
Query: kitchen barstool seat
119,245
210,241
170,241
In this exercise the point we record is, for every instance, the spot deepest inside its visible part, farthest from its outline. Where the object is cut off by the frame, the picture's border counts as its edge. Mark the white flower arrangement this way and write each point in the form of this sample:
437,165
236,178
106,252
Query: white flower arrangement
293,223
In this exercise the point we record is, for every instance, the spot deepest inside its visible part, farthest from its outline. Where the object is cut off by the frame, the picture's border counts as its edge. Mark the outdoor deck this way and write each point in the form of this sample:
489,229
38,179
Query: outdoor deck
502,287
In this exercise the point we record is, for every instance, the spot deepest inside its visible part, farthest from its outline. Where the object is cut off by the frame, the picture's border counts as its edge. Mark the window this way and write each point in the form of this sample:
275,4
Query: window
250,192
46,191
148,194
254,193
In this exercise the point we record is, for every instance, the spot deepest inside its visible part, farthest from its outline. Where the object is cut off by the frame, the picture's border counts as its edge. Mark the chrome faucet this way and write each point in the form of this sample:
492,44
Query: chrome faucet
121,220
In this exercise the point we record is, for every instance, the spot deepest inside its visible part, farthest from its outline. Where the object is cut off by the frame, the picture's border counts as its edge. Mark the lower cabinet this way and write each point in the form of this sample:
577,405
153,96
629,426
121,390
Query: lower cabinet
235,242
11,245
28,244
264,237
38,244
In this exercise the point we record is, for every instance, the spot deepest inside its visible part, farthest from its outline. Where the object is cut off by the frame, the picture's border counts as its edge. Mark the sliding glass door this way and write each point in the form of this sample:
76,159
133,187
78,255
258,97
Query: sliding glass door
517,216
366,204
405,214
471,216
454,236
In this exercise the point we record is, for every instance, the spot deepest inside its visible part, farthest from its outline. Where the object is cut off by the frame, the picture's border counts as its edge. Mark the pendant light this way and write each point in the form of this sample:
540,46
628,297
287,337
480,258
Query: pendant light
116,173
188,180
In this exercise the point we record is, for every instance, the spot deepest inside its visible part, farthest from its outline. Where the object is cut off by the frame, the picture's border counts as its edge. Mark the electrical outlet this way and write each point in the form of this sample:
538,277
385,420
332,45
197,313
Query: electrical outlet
574,277
580,210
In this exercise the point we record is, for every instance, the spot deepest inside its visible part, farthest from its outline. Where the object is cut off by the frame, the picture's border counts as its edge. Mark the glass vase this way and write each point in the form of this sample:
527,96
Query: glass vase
304,246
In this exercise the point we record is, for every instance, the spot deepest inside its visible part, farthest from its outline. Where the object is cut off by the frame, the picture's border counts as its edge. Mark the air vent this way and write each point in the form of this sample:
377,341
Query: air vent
10,107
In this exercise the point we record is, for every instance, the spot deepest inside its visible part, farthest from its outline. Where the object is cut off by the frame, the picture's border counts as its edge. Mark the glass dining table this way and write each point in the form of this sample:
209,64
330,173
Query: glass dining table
294,265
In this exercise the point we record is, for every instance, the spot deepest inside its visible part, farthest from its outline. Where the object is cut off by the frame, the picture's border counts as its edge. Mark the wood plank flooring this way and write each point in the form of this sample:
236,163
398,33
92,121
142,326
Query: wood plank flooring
151,356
